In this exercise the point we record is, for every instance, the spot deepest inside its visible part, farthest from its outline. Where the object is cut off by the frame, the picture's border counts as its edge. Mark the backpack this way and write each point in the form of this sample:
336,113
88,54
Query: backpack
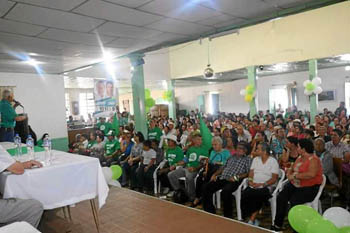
180,196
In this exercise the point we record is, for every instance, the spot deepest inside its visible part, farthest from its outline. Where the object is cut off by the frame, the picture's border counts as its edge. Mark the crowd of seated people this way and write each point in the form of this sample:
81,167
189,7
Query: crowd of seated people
243,148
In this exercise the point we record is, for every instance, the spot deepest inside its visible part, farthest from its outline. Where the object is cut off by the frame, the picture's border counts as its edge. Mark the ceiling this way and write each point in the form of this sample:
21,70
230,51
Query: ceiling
124,84
64,35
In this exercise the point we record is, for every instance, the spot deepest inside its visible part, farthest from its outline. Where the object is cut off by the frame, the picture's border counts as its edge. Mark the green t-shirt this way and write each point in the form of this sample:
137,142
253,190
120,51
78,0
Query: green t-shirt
91,143
104,127
193,154
8,114
111,147
174,155
154,133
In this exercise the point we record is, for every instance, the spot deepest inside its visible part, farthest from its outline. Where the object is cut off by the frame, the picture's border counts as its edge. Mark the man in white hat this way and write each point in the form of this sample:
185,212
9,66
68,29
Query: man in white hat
174,157
172,129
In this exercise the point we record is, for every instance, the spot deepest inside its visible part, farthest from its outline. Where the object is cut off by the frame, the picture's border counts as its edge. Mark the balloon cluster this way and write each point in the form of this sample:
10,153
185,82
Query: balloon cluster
167,96
149,101
112,174
249,93
313,87
305,219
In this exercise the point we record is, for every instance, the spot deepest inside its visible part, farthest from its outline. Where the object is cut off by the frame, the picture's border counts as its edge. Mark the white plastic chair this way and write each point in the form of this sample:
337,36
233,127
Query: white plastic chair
155,177
274,194
237,194
315,204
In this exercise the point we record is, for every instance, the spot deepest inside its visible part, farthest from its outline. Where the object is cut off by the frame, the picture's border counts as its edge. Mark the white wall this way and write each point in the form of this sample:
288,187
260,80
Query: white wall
43,99
232,101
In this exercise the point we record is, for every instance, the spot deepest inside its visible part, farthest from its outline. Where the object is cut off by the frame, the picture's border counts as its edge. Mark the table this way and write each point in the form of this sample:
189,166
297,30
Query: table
68,180
18,227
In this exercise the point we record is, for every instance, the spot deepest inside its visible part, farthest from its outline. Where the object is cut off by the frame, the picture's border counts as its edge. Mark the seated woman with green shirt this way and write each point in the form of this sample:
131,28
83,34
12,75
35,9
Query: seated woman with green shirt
174,158
217,158
193,159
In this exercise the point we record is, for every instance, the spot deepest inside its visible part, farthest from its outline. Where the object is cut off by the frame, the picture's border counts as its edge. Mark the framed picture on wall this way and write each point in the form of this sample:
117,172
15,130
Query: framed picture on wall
327,95
75,105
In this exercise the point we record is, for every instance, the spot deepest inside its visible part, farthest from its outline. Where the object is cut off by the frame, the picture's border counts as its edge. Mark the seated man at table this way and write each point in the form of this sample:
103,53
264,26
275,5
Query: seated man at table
112,149
16,210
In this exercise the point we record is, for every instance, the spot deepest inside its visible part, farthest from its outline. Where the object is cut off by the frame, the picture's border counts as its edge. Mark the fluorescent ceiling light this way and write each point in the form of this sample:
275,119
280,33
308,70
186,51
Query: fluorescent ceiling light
347,68
345,57
107,56
83,68
32,62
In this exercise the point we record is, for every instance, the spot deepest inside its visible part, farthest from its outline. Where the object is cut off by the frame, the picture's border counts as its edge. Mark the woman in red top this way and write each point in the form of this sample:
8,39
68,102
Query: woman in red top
304,177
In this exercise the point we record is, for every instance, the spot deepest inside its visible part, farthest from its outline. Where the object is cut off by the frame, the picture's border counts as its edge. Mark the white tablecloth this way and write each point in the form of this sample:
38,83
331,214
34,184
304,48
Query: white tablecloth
18,227
68,180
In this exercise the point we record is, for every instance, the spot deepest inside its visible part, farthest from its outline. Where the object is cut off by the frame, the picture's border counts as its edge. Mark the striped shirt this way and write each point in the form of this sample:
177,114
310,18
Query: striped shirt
337,151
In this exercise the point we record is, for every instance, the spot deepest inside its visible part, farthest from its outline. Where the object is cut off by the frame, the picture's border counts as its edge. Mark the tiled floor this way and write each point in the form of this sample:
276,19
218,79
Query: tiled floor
130,212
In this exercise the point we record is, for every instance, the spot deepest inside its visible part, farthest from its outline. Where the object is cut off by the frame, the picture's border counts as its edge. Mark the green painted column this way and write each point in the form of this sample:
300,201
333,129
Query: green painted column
138,93
252,81
313,97
172,103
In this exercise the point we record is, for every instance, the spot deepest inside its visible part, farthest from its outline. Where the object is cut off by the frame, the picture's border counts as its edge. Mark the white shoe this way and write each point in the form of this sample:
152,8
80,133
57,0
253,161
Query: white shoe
170,194
250,222
166,190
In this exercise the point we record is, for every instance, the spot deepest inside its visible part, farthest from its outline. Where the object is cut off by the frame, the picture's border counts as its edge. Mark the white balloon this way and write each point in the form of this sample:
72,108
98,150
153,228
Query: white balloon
107,172
306,82
115,183
306,92
338,216
317,81
242,92
318,90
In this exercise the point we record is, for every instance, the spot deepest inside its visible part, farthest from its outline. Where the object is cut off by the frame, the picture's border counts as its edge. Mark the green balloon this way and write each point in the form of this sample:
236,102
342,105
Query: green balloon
300,216
310,87
116,171
321,225
344,230
147,93
150,102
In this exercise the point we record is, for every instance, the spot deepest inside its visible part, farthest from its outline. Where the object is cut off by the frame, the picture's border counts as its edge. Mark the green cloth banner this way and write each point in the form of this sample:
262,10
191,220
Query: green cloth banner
12,152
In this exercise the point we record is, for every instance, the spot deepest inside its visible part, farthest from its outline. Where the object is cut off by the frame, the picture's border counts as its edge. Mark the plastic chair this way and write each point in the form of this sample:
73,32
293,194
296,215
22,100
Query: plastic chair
273,199
155,177
237,194
315,204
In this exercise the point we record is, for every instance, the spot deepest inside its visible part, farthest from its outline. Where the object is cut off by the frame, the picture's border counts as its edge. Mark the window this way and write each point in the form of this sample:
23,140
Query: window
278,96
68,111
86,104
214,103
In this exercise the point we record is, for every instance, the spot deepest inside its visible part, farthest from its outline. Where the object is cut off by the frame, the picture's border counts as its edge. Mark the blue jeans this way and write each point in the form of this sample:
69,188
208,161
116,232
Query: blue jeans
6,135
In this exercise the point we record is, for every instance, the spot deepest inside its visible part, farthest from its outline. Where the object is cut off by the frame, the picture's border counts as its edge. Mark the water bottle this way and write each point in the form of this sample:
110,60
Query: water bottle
30,147
18,147
47,147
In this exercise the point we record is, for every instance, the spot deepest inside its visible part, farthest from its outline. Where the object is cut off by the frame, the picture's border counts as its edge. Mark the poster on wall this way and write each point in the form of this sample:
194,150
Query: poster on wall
106,98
